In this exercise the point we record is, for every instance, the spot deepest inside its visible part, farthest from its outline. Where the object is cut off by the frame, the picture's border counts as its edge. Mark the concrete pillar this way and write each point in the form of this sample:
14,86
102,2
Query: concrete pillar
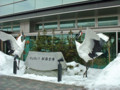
96,21
25,27
58,22
119,20
76,20
1,45
76,23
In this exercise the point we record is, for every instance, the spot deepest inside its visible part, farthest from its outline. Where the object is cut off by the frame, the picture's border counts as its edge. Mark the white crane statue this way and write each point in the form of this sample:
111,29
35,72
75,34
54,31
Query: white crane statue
15,47
91,47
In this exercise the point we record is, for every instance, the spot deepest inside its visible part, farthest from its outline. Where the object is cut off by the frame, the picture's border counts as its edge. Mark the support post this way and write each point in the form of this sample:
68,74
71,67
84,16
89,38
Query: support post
59,70
15,64
15,67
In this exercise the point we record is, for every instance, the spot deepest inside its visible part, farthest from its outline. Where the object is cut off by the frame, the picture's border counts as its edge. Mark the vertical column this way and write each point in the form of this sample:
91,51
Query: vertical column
1,41
96,21
119,20
43,26
96,18
1,45
116,43
5,47
117,35
25,27
58,22
76,26
12,28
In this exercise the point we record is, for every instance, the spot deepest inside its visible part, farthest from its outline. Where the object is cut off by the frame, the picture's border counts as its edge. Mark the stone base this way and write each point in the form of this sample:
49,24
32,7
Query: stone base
53,73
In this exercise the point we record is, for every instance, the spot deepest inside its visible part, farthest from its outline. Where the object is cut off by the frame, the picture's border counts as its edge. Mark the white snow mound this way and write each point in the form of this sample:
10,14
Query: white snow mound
6,65
106,79
110,76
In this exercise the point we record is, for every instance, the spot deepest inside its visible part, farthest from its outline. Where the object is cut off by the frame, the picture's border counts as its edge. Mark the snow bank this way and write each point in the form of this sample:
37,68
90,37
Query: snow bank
106,79
2,60
6,65
110,76
78,69
73,76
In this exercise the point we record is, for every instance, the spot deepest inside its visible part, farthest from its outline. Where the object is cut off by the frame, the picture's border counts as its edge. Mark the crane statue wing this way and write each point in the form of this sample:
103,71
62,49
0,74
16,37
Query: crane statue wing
91,46
16,47
5,37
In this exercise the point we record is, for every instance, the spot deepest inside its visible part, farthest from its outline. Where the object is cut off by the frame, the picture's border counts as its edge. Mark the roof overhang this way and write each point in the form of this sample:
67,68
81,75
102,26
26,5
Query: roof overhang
62,9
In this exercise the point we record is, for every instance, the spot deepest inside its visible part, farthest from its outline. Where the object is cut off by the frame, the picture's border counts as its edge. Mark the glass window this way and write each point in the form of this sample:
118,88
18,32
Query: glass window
108,21
4,10
32,41
86,23
67,24
72,1
0,28
24,5
50,25
111,45
47,3
38,27
4,2
7,29
16,28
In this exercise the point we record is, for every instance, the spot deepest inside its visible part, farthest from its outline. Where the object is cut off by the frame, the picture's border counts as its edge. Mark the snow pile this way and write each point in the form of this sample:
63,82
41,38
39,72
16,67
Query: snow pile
106,79
6,65
78,69
2,60
74,75
110,75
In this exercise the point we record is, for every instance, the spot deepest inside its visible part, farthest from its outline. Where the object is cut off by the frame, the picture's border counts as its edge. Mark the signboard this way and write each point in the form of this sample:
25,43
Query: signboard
44,60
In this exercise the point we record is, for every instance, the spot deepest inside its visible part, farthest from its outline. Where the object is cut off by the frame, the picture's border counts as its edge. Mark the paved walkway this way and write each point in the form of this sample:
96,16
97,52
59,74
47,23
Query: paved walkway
15,83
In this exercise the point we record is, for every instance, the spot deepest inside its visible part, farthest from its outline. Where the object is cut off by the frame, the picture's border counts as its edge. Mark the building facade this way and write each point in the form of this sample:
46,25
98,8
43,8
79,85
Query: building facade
61,19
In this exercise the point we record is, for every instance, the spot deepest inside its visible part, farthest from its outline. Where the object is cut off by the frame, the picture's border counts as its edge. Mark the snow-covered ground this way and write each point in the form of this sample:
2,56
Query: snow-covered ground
98,79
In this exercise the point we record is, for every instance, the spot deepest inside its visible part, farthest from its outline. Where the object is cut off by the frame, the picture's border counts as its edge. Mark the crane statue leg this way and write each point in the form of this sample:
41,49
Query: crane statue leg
85,73
18,64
